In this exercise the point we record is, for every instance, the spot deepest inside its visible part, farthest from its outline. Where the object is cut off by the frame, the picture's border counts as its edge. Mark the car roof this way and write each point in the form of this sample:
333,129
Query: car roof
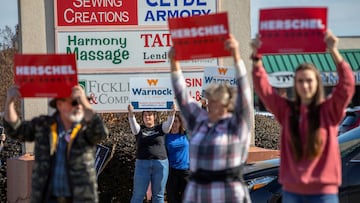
261,165
353,109
264,113
349,140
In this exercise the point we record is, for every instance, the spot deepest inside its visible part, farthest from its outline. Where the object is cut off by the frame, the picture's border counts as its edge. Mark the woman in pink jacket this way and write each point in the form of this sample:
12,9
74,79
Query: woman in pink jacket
310,166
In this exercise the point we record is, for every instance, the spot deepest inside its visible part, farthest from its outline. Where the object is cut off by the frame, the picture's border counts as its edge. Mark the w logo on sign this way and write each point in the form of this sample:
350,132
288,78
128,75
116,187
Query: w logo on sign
152,82
222,71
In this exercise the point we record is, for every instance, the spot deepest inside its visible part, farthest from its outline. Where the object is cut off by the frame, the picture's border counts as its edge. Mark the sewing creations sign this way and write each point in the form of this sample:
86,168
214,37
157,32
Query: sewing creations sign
45,75
96,13
219,75
199,37
292,30
151,93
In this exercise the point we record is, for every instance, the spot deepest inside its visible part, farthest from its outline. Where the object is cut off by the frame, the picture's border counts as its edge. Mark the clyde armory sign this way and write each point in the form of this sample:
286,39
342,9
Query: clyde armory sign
156,12
125,13
121,49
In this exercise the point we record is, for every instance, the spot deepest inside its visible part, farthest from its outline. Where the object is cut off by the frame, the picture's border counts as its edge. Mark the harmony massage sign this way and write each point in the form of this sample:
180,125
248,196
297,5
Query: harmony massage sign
45,75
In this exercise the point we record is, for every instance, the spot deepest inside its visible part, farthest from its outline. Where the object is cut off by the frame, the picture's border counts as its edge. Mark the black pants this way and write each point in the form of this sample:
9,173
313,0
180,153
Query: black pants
176,184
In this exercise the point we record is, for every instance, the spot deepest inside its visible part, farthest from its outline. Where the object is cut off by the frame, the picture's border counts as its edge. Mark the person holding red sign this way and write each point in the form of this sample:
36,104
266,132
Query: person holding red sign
219,136
65,144
310,164
151,165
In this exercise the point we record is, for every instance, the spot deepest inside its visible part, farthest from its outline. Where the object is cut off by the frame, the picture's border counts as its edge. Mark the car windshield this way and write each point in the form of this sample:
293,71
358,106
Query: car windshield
349,141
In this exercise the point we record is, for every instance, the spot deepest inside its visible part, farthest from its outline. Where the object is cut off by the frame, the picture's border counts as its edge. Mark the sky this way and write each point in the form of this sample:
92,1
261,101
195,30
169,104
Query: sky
8,14
343,15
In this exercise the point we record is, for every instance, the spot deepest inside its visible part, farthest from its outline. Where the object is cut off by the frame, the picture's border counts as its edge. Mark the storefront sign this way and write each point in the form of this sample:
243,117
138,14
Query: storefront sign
121,50
91,13
286,79
96,13
292,30
157,12
282,79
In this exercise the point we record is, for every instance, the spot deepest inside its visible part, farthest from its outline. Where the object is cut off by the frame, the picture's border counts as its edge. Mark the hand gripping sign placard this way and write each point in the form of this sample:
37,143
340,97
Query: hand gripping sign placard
199,37
45,75
292,30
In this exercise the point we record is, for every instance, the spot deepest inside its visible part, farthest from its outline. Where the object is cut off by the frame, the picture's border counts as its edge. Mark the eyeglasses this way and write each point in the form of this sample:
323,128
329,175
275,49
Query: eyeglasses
74,103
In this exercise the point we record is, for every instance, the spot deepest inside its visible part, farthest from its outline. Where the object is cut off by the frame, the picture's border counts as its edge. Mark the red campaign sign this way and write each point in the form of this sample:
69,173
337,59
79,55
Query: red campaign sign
199,37
96,13
45,75
292,30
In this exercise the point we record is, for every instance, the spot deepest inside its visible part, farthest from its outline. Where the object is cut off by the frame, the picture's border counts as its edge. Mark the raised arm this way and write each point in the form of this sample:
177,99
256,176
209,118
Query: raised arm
166,126
345,88
262,87
135,127
16,128
331,44
242,110
189,108
10,114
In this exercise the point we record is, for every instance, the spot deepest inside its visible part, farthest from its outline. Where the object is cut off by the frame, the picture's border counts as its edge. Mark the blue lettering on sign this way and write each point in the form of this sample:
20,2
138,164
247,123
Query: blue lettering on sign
357,77
232,81
164,14
140,91
191,2
154,3
329,78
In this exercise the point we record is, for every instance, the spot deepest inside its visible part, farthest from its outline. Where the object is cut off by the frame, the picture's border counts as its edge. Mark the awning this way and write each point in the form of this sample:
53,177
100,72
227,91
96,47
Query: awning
323,61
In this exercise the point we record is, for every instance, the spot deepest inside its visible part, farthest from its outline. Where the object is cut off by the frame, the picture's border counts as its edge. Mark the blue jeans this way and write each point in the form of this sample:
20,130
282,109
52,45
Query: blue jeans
289,197
155,171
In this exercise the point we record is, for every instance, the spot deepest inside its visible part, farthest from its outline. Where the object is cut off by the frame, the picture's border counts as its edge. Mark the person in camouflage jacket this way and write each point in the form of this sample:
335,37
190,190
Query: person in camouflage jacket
84,129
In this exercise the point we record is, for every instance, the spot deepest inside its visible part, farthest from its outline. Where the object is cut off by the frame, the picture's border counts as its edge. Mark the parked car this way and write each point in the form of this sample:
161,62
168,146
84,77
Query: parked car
262,177
351,119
